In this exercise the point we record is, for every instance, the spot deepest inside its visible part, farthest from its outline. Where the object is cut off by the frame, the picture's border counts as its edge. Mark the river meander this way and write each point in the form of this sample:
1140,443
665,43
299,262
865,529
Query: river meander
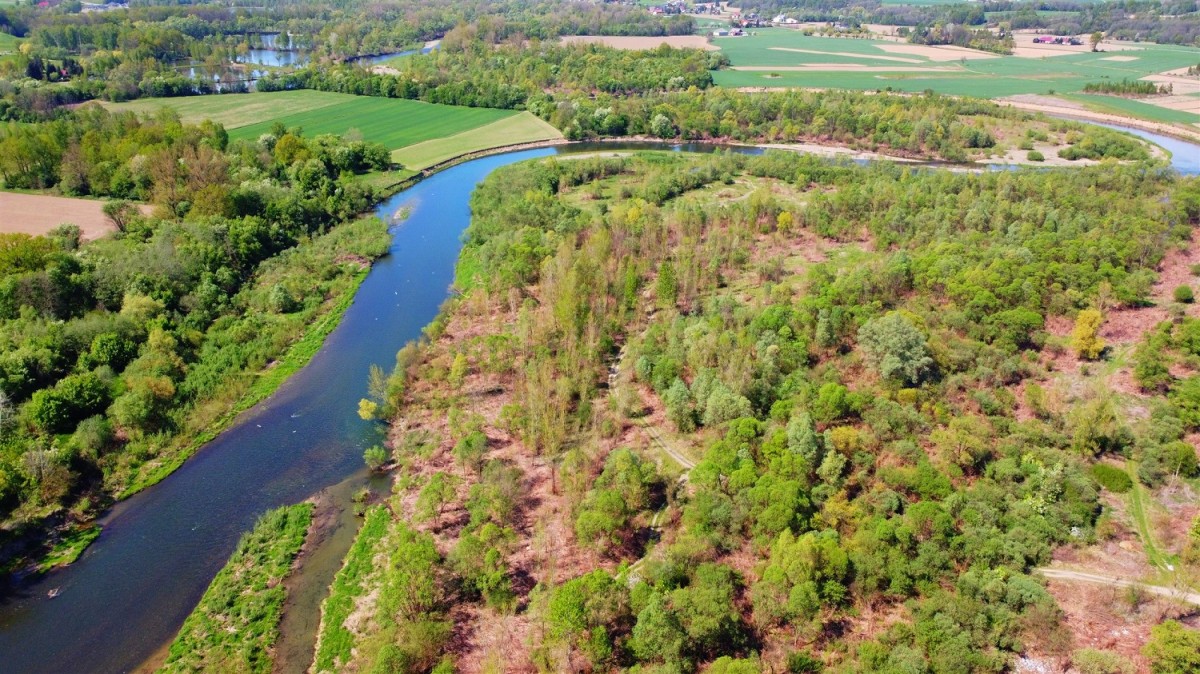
128,594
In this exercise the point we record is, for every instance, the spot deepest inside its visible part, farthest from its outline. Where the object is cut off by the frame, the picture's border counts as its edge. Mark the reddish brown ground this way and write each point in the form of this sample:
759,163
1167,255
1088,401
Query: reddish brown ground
39,213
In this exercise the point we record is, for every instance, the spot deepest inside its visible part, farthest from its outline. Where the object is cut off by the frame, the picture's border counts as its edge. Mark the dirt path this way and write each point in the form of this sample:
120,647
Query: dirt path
1066,109
1084,577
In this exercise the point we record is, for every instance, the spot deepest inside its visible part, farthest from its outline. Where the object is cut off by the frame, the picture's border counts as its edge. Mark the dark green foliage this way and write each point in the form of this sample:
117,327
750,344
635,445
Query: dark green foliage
1112,478
1126,87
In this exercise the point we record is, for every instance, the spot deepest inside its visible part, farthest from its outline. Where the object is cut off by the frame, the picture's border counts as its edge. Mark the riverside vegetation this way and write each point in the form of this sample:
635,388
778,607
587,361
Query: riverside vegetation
236,622
723,413
120,356
839,350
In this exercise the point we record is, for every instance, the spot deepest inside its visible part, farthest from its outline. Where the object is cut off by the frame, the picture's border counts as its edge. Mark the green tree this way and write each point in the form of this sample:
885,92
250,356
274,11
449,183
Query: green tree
435,495
896,348
1173,649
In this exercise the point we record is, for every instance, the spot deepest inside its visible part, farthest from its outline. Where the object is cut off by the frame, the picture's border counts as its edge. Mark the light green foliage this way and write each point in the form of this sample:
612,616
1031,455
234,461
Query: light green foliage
1183,294
471,450
628,485
236,623
1094,661
1173,649
435,495
375,457
582,612
804,574
896,348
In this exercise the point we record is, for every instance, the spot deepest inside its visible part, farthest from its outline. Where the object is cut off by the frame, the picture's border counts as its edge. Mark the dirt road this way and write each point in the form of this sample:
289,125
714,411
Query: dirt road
1080,576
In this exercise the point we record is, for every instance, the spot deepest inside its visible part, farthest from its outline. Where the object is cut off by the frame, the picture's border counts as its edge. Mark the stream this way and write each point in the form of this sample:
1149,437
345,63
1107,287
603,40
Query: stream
124,600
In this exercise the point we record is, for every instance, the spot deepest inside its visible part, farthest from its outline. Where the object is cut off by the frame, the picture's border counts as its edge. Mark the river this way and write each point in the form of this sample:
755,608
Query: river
128,594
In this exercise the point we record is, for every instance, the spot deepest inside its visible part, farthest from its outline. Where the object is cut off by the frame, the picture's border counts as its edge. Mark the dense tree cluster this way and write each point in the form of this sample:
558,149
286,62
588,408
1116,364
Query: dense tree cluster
110,348
860,445
481,75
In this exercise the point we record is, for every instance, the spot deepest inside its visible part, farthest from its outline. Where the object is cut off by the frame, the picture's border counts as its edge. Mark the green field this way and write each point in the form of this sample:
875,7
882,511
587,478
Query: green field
395,123
236,110
522,128
985,78
1125,106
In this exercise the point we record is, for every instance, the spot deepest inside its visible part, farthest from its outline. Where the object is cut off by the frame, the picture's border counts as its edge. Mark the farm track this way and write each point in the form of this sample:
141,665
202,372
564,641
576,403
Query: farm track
1177,594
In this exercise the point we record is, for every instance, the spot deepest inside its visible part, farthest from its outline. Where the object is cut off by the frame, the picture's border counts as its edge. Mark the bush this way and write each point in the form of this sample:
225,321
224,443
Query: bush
1184,294
1112,478
1093,661
1034,155
1085,338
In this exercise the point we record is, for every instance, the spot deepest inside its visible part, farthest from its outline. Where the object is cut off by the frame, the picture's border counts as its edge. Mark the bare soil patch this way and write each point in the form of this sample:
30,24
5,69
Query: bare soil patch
39,213
937,53
633,42
1119,58
844,54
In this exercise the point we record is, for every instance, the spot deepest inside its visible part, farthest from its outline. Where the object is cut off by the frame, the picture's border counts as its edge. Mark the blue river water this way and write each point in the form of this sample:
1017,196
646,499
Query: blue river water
128,594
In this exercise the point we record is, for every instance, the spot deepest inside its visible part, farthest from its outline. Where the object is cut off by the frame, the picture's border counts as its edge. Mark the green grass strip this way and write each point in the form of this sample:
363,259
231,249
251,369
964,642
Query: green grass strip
334,642
69,547
237,621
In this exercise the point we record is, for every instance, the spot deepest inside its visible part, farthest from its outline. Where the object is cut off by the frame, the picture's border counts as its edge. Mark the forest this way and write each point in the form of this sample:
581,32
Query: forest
119,355
873,430
738,411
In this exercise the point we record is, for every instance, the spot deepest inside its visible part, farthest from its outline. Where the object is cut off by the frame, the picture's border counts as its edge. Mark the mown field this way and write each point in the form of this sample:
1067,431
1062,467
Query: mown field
423,134
521,128
786,58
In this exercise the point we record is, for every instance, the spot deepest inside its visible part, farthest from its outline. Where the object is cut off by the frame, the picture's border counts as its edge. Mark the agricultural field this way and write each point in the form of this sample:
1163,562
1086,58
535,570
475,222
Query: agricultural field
395,123
39,213
780,57
521,128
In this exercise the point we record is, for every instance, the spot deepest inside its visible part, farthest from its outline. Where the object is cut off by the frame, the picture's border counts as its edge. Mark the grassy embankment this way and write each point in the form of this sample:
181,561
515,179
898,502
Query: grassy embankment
334,641
237,620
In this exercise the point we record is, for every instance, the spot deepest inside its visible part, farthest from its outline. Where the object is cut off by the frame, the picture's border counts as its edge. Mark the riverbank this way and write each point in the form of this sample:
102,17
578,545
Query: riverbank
234,627
285,343
1055,108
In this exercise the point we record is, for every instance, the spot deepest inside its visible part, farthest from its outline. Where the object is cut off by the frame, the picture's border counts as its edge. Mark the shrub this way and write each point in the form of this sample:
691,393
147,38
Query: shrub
1034,155
1184,294
1093,661
1085,338
1112,478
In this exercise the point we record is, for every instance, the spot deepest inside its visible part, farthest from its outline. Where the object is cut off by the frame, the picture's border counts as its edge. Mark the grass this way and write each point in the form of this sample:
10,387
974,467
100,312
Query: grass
69,547
237,620
1137,509
393,122
236,110
1127,106
334,642
983,78
521,128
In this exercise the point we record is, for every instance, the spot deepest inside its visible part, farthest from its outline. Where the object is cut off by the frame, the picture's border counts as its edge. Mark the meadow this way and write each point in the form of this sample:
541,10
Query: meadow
781,57
422,134
520,128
